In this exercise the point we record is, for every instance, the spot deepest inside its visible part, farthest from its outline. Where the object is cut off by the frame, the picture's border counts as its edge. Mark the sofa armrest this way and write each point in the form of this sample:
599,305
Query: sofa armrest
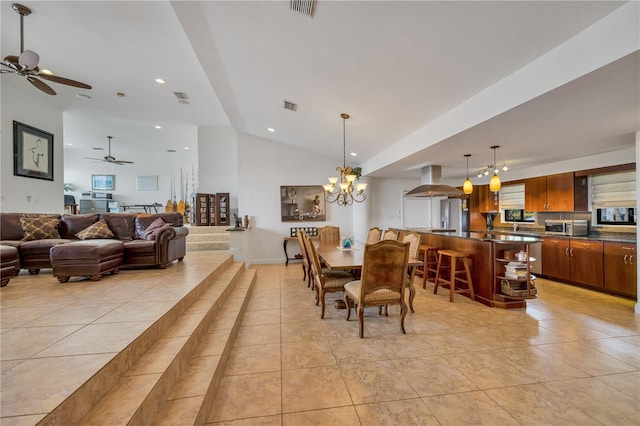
170,232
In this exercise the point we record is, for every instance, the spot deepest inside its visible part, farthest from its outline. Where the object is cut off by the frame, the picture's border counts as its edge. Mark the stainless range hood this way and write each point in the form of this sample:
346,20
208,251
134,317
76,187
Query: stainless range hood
432,185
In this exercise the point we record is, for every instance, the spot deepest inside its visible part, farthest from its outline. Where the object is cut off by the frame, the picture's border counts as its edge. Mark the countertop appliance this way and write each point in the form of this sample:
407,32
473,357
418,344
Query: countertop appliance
566,227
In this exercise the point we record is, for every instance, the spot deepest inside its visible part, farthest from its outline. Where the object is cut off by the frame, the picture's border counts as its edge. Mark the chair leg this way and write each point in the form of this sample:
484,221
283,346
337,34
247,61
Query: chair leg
347,302
322,293
470,284
304,272
435,287
403,313
360,313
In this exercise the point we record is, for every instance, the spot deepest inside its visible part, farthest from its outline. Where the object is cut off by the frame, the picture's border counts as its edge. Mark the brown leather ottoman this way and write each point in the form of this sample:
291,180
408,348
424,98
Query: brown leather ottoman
9,264
89,258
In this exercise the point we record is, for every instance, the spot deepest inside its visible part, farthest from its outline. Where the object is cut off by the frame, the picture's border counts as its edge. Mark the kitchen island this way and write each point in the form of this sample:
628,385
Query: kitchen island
489,253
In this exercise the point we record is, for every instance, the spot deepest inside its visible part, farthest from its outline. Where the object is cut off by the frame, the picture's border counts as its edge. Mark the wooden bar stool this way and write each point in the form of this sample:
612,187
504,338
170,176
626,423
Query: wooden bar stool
429,263
454,257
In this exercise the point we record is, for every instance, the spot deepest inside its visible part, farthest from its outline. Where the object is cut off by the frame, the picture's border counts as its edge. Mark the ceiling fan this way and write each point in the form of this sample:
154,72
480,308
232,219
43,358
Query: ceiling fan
109,158
26,64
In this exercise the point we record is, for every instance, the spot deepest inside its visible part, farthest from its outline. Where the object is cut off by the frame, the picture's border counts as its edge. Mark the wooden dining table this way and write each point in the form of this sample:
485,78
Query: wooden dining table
335,257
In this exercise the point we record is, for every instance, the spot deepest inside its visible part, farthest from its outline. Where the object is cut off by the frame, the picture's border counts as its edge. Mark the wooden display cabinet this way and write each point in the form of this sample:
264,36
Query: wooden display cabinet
200,209
620,273
221,210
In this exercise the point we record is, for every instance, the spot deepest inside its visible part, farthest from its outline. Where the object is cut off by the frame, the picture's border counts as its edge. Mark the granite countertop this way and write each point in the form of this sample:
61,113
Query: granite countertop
594,236
492,236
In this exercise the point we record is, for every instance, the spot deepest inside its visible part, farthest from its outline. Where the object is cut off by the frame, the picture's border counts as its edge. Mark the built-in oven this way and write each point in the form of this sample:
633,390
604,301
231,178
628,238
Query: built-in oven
566,227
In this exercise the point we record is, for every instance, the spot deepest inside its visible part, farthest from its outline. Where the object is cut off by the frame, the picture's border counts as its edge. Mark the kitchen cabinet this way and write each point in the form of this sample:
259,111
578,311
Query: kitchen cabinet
488,200
620,273
553,193
578,261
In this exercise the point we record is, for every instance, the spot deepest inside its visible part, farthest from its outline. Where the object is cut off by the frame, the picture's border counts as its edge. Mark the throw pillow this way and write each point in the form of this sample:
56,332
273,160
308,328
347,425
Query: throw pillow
39,228
100,229
151,230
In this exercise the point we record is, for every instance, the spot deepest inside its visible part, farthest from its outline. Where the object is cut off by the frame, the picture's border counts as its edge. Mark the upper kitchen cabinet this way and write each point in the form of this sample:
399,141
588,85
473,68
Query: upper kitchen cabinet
553,193
489,201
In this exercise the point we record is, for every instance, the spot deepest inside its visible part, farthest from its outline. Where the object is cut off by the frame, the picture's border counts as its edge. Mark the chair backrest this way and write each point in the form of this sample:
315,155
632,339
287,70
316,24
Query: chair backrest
303,249
384,266
413,238
314,260
329,233
390,235
374,235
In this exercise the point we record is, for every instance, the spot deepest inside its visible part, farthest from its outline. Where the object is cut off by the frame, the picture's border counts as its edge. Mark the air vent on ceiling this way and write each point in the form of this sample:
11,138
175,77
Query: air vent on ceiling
302,6
183,99
290,106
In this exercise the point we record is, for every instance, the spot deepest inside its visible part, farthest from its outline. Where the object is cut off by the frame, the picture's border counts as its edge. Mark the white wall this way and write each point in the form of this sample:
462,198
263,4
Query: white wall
165,165
218,162
264,166
27,106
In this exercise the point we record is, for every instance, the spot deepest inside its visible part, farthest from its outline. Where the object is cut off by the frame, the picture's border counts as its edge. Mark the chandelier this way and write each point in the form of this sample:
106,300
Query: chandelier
494,184
343,190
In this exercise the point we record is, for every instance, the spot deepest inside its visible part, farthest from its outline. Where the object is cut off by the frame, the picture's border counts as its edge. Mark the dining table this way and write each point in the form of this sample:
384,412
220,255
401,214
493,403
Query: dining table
338,258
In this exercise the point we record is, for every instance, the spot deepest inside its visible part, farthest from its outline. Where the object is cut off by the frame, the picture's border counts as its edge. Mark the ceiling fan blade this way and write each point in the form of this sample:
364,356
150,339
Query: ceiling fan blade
41,85
11,61
125,161
63,80
96,159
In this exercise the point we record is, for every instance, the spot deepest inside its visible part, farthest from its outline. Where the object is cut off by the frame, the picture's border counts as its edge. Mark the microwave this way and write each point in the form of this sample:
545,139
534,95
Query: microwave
566,227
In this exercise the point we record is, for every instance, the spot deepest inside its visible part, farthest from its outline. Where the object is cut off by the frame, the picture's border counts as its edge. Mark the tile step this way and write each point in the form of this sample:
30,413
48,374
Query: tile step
141,386
209,245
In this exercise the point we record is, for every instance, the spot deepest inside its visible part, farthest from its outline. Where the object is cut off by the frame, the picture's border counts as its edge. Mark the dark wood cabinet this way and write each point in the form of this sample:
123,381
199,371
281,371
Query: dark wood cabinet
210,209
586,262
553,193
488,200
577,261
222,209
200,209
620,273
555,258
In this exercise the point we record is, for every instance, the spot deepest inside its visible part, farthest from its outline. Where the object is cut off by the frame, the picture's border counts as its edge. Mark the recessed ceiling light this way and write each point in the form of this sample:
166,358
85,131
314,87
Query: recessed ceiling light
186,147
354,154
271,129
47,72
83,95
69,144
160,81
158,127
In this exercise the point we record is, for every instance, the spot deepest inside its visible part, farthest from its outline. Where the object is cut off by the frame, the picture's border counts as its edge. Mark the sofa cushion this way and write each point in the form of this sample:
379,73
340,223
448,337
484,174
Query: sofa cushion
98,230
40,228
152,230
121,224
71,224
143,220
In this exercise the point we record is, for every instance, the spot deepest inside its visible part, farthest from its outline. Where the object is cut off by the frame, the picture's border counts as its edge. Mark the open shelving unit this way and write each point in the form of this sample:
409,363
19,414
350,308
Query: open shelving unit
512,278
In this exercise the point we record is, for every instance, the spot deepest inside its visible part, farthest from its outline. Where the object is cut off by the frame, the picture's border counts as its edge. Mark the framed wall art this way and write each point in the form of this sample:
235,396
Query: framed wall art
302,203
32,152
103,182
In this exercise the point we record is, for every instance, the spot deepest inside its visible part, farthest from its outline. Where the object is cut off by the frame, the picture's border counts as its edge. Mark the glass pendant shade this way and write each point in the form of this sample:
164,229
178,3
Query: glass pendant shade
494,183
467,186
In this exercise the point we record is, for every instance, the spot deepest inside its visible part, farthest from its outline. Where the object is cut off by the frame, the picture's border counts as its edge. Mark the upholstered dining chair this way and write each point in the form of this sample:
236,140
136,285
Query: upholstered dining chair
306,262
390,235
329,233
383,280
325,280
374,235
413,239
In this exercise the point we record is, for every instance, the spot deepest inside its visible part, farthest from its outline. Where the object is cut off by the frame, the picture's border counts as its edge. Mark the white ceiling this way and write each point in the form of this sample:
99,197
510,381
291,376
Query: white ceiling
394,66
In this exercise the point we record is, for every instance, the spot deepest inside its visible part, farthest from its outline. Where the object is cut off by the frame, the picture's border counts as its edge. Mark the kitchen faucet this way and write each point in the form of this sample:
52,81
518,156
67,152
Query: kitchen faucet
515,226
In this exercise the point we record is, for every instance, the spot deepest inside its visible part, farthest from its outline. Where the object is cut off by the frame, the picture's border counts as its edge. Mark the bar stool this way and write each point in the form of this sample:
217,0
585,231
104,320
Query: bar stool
429,263
454,258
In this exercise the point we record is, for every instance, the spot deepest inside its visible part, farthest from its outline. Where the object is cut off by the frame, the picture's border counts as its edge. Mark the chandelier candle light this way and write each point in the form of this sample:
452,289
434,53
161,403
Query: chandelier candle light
343,190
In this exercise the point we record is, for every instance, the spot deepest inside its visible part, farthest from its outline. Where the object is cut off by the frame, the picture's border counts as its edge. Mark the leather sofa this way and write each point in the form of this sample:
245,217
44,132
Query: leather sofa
168,242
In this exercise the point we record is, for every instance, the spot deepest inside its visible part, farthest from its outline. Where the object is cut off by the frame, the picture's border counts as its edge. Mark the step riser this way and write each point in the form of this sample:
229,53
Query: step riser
219,245
208,230
209,398
161,391
207,237
78,405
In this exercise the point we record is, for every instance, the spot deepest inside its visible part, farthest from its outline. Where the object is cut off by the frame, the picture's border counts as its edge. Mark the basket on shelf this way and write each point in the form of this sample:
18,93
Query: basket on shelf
517,288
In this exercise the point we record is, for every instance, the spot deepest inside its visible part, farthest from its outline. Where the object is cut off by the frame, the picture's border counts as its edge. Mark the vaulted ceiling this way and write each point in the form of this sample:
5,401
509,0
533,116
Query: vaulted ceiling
396,67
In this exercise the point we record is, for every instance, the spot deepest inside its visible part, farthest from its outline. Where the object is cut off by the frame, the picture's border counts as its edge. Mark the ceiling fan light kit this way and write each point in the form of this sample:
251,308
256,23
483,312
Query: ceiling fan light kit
26,64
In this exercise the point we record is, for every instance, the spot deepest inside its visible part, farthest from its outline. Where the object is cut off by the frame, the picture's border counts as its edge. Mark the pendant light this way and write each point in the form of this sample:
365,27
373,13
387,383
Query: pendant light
467,186
494,183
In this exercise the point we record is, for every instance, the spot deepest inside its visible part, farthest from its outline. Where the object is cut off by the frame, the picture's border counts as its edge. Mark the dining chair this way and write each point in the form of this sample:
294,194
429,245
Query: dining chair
383,280
325,280
390,235
329,233
306,263
374,235
413,239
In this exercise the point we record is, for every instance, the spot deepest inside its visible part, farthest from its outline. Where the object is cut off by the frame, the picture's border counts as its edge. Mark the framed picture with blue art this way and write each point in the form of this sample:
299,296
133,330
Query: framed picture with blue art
32,152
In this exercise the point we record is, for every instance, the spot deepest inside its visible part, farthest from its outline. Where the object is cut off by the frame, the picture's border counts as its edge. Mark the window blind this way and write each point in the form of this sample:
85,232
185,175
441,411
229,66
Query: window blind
614,190
512,196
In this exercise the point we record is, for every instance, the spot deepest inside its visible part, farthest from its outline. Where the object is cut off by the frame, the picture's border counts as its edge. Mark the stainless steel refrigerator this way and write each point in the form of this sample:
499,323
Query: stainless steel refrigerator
454,214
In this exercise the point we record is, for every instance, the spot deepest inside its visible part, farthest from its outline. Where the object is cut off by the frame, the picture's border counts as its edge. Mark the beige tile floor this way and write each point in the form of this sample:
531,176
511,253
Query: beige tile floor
571,358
